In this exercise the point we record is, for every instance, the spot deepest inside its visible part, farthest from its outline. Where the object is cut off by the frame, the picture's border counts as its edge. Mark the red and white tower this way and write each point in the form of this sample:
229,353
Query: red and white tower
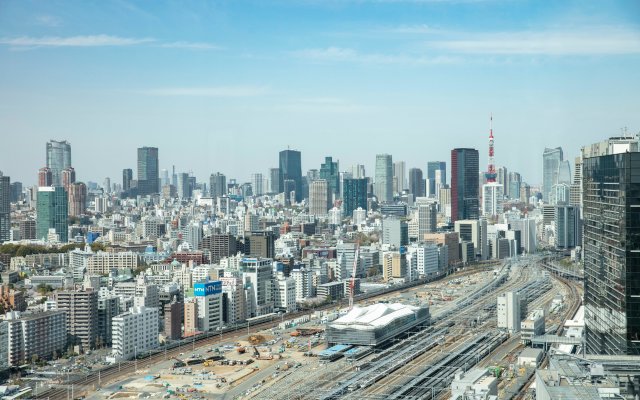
491,172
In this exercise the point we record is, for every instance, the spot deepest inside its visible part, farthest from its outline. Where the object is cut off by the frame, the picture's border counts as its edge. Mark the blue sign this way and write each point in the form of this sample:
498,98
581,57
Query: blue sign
202,289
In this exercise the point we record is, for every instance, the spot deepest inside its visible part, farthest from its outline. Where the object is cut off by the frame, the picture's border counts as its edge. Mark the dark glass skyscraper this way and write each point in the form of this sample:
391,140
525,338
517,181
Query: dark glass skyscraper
127,177
354,196
148,172
330,172
611,242
465,168
432,167
291,170
416,182
52,209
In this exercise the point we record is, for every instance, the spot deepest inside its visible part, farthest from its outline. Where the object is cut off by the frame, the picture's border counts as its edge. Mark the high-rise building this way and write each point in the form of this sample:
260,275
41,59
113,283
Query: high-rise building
217,185
77,193
329,171
354,195
274,176
492,196
68,177
474,231
135,332
52,212
257,184
464,184
319,198
257,273
183,186
148,170
58,158
564,172
45,177
16,192
81,308
28,229
357,171
432,183
427,219
611,215
5,208
164,177
209,300
567,226
416,182
40,335
220,246
395,232
551,159
127,177
383,186
260,244
509,312
399,176
291,170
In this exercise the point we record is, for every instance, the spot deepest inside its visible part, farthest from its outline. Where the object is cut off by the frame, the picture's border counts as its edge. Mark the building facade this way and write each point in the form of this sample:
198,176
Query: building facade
465,170
611,215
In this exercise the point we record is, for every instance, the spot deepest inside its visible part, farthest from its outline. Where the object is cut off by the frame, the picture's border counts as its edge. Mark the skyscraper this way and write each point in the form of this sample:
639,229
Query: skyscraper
5,208
127,177
564,172
416,182
45,177
68,177
492,196
217,185
58,158
319,197
611,215
183,186
551,159
148,178
354,195
383,186
399,176
464,184
274,175
77,193
52,212
432,183
291,169
257,184
329,171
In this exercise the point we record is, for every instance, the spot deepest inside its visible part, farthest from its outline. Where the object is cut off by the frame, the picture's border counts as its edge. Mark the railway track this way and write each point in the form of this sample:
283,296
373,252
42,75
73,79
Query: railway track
83,384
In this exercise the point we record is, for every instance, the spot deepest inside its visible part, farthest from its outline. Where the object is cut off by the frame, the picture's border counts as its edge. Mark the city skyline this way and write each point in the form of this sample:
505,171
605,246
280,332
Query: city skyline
197,78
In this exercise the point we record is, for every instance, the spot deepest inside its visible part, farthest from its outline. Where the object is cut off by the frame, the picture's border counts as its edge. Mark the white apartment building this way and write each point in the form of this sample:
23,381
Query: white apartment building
134,332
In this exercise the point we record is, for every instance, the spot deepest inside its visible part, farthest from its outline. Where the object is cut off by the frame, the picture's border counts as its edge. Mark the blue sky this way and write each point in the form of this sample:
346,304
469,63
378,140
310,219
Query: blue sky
223,86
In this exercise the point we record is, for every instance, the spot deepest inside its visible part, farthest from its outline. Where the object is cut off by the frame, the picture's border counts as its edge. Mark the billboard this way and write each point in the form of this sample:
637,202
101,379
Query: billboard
202,289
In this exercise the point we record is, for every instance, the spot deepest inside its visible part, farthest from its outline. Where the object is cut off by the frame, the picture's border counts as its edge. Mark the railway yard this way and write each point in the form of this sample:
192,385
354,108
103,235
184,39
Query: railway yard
288,359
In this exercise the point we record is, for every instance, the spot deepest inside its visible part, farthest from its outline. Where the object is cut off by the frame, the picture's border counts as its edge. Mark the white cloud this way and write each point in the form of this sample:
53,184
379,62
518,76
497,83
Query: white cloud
339,54
73,41
216,91
605,41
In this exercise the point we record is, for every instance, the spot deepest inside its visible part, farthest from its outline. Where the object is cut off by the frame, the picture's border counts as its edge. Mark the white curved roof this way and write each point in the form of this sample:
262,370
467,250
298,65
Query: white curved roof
374,316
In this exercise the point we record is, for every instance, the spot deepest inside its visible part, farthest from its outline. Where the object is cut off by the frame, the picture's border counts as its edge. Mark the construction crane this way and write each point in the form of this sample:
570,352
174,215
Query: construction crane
352,284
